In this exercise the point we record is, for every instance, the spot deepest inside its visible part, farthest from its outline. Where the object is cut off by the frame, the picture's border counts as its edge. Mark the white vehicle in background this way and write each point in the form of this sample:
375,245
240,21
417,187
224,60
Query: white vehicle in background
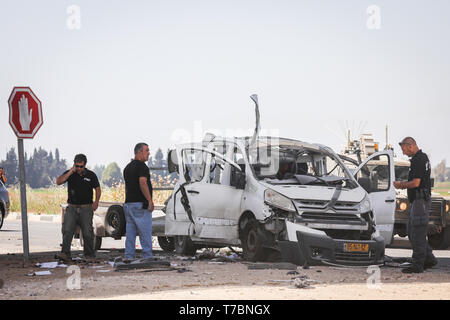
279,198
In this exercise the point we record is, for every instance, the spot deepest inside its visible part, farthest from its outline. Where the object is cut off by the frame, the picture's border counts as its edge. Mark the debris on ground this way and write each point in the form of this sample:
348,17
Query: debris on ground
47,265
141,264
182,270
292,273
40,273
206,255
278,281
303,282
278,265
184,258
219,256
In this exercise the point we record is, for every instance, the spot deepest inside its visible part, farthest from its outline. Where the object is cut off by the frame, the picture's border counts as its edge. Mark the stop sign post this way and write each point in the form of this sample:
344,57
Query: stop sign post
25,118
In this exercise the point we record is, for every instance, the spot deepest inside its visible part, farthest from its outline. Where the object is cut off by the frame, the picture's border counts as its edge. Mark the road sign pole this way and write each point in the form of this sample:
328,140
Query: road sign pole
23,201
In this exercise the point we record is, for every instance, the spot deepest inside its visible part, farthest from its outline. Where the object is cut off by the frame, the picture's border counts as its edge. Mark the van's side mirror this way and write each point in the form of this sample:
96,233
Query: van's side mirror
432,182
172,161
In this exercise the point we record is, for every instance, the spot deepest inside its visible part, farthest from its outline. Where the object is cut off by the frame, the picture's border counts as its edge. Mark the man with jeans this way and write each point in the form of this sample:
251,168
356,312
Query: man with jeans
138,205
419,195
80,208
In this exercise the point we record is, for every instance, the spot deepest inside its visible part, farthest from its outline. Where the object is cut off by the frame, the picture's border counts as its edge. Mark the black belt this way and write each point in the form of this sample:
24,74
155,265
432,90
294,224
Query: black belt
80,205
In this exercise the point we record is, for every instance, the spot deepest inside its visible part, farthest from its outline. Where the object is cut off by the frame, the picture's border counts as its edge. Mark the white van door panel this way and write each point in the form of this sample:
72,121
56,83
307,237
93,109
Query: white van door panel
211,203
379,174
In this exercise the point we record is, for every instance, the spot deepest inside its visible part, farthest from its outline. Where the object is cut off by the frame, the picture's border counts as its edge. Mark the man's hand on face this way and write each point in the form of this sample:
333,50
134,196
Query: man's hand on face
94,206
72,170
151,206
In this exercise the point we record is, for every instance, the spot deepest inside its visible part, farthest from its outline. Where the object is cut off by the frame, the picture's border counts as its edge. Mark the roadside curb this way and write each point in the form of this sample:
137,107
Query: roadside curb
35,217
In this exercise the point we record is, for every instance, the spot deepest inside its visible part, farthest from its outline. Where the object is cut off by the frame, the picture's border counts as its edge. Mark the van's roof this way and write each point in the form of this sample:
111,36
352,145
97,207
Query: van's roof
265,141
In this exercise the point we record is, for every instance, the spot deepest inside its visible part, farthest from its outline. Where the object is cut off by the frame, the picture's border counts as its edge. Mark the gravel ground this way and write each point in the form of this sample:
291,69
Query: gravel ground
215,280
203,279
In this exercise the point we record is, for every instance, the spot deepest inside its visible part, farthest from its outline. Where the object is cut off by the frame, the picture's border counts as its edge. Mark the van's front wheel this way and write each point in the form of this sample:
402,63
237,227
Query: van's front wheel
185,246
253,238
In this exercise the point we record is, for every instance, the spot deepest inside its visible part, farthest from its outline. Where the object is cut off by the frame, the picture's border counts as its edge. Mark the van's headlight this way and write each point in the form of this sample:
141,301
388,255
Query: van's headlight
447,206
364,205
277,200
402,205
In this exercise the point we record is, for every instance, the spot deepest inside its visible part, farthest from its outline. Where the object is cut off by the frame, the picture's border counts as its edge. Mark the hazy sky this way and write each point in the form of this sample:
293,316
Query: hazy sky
153,70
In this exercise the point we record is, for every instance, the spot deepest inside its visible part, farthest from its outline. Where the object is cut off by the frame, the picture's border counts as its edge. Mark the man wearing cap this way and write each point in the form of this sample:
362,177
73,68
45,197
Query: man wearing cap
80,208
419,195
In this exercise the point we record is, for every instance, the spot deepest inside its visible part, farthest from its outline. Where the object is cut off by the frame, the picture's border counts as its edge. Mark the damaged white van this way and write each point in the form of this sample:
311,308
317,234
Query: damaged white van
280,199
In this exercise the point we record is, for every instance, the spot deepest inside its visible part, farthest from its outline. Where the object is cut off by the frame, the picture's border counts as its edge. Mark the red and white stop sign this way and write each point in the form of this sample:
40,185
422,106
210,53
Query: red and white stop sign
25,112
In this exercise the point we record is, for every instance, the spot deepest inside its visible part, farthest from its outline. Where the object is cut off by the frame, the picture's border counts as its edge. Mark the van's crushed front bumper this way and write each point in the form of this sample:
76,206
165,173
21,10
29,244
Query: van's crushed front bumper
315,247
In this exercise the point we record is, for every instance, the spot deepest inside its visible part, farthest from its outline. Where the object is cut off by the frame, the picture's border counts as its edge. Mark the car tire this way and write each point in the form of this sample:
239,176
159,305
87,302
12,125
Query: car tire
167,243
440,241
185,246
115,224
1,219
253,238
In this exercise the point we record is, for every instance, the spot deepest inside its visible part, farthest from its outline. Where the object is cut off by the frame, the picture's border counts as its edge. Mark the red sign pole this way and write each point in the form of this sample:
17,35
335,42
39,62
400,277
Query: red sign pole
23,201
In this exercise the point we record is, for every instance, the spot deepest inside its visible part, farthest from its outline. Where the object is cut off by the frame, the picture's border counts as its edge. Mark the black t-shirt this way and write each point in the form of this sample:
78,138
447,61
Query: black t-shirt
132,172
80,187
420,168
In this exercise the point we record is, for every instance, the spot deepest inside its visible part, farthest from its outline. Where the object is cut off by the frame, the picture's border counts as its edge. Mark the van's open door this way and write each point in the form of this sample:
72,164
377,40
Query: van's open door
208,202
376,175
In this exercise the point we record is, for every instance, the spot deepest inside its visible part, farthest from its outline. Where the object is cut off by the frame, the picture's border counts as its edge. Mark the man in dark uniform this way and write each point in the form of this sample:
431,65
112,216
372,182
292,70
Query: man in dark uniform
419,195
80,208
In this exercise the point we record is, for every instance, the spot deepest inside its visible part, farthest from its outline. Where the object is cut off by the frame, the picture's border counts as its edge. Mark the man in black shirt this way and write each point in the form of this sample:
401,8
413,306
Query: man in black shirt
419,195
138,205
80,208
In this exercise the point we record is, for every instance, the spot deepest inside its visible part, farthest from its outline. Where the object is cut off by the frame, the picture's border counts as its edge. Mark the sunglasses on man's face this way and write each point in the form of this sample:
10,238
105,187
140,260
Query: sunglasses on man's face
77,166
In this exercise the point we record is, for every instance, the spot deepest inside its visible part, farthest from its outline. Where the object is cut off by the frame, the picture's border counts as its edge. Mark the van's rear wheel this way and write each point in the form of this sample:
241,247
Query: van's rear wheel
185,246
167,243
253,238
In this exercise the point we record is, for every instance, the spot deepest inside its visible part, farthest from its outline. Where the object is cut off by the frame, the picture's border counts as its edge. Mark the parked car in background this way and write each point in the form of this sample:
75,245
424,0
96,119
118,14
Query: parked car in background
4,203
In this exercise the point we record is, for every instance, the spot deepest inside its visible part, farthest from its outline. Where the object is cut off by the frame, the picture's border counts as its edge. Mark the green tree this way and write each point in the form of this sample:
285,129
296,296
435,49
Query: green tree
11,167
112,174
98,170
439,171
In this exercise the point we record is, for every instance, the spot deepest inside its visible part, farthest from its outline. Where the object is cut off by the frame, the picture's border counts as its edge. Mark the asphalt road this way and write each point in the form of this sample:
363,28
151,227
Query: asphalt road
46,237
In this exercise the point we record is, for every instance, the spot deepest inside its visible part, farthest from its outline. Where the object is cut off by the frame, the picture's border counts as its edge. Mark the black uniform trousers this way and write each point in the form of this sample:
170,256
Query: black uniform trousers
417,233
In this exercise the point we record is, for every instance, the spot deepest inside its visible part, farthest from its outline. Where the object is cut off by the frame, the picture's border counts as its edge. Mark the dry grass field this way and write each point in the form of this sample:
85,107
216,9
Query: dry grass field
48,200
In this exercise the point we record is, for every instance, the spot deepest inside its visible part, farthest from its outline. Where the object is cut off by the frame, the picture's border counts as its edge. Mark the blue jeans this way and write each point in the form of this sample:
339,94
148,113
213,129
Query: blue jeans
139,222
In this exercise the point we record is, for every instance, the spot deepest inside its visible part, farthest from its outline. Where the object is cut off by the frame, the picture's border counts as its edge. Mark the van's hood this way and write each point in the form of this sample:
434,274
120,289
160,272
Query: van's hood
317,192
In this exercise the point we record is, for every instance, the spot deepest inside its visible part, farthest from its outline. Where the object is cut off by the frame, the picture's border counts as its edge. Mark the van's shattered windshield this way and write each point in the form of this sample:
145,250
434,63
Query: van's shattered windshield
296,165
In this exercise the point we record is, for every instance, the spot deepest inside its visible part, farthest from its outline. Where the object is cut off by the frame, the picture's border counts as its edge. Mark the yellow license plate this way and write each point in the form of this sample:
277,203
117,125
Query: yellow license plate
356,247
